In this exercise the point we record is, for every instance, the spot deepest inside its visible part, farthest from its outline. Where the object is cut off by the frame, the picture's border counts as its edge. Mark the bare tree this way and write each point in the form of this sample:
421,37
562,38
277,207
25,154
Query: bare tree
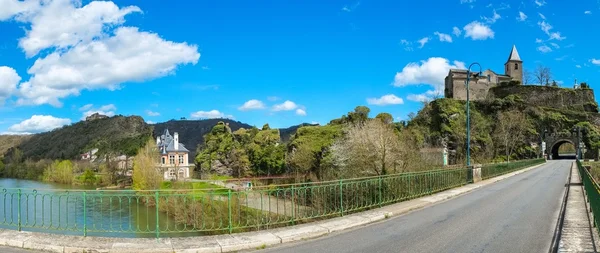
371,149
511,130
543,75
527,77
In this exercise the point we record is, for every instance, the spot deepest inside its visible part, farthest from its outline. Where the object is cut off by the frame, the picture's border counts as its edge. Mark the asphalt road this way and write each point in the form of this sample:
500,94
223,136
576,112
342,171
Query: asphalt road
517,214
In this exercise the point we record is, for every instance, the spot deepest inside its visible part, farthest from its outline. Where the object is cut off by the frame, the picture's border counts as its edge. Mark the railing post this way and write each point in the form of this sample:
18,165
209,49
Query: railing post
380,192
19,209
293,207
156,198
229,210
84,215
341,197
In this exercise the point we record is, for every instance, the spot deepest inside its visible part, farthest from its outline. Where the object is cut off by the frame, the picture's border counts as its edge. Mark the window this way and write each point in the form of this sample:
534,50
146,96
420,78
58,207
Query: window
516,66
171,159
181,159
163,160
172,173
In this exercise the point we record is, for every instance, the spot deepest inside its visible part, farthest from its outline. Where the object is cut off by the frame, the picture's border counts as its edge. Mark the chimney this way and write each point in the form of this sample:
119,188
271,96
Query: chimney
176,139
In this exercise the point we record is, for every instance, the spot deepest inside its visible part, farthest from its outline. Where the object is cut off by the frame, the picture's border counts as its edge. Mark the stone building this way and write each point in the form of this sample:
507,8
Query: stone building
455,82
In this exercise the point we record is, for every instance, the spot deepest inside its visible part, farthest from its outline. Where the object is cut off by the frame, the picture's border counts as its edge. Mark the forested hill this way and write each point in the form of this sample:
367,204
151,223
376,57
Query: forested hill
118,135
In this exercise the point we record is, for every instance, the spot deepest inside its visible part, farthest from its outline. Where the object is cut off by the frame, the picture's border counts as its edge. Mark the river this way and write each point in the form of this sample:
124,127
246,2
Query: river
75,210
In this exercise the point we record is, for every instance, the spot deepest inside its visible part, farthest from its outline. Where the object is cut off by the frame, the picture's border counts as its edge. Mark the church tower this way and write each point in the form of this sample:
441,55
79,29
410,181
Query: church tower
514,66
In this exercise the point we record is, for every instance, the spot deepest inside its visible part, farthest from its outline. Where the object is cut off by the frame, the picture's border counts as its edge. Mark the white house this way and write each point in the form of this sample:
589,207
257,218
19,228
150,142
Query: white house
173,157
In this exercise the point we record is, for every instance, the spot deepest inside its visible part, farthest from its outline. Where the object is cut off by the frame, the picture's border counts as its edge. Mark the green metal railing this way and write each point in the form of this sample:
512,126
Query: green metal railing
592,192
169,213
497,169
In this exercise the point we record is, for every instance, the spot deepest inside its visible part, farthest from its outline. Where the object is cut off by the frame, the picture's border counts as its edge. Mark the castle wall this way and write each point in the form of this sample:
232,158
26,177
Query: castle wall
552,97
456,87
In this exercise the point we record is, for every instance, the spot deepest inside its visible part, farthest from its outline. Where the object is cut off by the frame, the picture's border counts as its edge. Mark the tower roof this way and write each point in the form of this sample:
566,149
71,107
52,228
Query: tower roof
514,55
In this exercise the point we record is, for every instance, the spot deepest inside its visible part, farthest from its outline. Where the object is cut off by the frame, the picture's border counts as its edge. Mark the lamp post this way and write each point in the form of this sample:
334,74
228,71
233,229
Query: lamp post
577,130
468,113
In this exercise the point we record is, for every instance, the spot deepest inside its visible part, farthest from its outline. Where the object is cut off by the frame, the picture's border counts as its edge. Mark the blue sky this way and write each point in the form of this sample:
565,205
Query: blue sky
276,62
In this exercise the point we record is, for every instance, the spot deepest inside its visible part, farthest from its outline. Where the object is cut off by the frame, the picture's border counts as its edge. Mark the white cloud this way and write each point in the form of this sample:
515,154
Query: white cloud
493,19
130,55
587,12
431,71
108,110
423,41
554,45
478,31
562,58
273,98
151,113
60,24
456,31
578,66
88,48
407,45
252,104
285,106
39,123
522,16
17,9
545,26
544,49
467,1
150,122
538,40
351,7
540,3
8,82
542,16
212,114
85,107
300,112
389,99
444,37
595,61
556,36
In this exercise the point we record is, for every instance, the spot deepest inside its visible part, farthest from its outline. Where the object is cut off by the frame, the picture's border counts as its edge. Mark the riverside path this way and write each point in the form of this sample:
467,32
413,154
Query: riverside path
518,214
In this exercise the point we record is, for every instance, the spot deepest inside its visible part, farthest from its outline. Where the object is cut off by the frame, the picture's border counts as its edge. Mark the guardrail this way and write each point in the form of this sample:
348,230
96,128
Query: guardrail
497,169
170,213
592,192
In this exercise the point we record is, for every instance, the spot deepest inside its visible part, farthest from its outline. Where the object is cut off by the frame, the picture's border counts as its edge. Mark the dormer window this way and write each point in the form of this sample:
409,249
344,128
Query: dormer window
516,66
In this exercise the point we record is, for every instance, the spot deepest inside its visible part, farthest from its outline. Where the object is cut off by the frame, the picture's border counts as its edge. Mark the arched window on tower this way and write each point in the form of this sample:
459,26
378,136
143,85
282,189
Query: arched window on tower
516,66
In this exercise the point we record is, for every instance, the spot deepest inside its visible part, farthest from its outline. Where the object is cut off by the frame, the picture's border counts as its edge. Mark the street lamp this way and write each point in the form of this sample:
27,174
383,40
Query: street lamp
468,112
577,130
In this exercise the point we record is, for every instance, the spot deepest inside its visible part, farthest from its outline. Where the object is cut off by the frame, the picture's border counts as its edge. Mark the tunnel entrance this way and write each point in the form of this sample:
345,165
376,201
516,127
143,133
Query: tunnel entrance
563,149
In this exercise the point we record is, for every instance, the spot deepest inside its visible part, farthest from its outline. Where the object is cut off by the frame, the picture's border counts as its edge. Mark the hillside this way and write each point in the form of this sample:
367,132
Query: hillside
287,133
118,134
9,141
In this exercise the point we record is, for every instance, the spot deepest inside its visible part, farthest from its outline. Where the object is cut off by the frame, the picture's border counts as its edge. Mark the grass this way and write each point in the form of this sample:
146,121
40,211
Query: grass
595,169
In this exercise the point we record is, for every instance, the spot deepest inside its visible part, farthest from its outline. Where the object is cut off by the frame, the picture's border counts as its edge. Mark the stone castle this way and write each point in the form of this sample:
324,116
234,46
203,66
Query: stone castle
479,85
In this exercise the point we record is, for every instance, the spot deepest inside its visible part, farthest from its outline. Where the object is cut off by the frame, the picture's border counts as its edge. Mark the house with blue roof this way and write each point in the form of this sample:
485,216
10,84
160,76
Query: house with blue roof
173,156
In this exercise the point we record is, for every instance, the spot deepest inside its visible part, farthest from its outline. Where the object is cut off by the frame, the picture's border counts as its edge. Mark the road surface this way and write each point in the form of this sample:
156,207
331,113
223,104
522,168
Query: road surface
517,214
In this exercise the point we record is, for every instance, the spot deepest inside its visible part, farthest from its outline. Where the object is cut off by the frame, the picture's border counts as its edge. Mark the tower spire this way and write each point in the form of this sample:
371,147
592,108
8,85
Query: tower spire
514,55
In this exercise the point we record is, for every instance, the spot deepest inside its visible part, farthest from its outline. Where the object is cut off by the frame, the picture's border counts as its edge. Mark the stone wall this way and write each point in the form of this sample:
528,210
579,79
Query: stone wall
552,97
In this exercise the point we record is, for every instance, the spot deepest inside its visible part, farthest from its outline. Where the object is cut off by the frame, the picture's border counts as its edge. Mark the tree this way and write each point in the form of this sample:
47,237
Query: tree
309,150
385,118
359,115
528,77
543,75
370,149
511,130
554,84
584,85
146,175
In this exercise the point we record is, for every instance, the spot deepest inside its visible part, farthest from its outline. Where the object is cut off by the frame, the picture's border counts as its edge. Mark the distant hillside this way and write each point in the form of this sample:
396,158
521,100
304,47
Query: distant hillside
9,141
118,134
287,133
191,132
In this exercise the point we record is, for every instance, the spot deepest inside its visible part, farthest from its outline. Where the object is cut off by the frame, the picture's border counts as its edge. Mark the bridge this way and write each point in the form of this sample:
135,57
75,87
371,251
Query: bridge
520,207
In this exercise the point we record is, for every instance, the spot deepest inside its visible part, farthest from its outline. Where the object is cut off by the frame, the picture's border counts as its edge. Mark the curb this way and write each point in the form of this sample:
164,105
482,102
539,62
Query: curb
554,245
238,241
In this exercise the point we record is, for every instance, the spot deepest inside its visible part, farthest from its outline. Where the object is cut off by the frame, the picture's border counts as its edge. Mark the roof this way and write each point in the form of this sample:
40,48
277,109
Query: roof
514,55
167,144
